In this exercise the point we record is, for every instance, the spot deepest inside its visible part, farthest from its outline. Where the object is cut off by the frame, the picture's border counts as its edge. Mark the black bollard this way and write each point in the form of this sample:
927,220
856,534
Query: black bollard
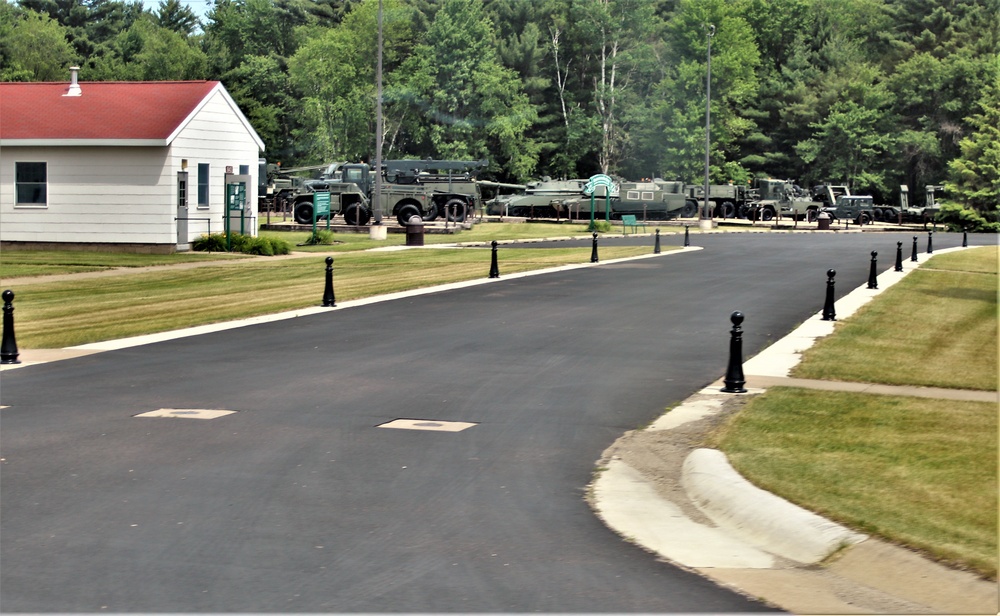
687,237
930,243
328,298
8,346
965,239
494,268
913,255
656,246
872,276
593,251
734,373
829,313
899,256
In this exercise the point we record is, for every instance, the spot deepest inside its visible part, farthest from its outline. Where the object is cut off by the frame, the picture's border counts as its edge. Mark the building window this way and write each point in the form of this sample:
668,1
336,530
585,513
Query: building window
244,169
32,183
203,185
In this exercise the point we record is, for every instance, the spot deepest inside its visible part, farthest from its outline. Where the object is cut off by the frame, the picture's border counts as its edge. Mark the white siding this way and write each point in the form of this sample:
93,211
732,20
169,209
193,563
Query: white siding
129,194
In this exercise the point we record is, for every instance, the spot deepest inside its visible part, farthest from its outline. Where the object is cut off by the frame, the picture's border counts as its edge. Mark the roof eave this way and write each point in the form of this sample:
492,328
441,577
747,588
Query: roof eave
84,142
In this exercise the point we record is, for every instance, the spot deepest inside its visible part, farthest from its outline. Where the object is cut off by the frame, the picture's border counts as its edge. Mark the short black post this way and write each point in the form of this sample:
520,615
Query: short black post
656,246
8,347
687,237
930,242
965,239
899,256
328,298
734,373
913,255
593,251
494,268
829,313
872,276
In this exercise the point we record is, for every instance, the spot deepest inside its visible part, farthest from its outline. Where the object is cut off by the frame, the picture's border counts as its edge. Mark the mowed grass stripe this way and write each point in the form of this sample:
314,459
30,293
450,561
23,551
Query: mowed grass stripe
934,328
60,314
919,472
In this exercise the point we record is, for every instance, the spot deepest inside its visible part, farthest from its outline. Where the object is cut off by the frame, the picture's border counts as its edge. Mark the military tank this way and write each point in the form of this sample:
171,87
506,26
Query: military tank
542,199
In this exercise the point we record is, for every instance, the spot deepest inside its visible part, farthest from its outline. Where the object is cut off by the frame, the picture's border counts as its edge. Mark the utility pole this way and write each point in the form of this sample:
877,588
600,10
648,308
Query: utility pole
377,205
705,222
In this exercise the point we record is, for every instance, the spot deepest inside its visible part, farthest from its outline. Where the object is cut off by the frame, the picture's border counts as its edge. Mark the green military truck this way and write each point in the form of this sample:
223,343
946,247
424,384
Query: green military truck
859,209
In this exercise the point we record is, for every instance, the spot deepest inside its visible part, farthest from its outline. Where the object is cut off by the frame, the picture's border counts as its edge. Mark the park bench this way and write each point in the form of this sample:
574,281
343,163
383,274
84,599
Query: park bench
629,220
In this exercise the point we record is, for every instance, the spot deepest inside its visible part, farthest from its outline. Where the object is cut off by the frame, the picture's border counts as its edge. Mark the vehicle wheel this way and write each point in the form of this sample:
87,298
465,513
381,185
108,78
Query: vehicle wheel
304,213
690,209
728,209
889,215
812,214
877,214
741,211
459,207
431,214
357,215
863,219
407,212
767,214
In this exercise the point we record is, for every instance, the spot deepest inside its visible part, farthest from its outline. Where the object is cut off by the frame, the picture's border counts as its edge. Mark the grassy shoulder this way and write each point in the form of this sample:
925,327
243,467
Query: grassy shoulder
937,327
21,263
67,313
919,472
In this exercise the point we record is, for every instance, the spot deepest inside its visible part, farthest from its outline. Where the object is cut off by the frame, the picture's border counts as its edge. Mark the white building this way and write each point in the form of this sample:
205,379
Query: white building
110,164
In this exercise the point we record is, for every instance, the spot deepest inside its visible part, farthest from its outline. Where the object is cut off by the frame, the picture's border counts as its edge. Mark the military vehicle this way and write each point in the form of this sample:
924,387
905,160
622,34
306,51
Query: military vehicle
856,208
423,188
658,199
905,213
827,193
541,199
781,199
725,200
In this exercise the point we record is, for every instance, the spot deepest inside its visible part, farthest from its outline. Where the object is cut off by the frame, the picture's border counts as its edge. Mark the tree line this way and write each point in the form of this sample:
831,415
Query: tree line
872,93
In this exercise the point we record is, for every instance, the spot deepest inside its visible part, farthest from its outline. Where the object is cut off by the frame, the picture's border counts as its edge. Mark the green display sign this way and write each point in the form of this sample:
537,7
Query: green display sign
321,204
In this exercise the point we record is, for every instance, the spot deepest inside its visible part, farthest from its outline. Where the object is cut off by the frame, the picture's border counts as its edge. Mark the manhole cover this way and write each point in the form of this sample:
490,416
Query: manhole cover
426,424
187,413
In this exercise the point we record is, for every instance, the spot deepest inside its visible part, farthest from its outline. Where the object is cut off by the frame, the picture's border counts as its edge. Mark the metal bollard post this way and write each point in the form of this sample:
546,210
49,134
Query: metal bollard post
687,237
930,243
965,239
899,256
913,255
494,268
872,276
734,372
8,346
328,298
656,246
593,251
829,313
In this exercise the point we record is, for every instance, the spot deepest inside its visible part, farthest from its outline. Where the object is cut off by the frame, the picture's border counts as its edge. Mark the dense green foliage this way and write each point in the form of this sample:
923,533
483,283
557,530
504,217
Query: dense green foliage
266,246
873,93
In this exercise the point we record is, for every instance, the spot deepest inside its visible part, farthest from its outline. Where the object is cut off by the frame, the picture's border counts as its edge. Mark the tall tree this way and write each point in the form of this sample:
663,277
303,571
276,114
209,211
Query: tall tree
33,47
173,15
975,173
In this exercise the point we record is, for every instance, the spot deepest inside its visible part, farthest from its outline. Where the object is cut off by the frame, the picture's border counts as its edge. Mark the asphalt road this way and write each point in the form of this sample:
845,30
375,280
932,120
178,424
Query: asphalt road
299,503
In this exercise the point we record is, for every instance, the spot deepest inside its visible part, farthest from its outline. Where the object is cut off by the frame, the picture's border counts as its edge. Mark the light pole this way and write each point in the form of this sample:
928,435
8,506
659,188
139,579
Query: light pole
377,197
705,222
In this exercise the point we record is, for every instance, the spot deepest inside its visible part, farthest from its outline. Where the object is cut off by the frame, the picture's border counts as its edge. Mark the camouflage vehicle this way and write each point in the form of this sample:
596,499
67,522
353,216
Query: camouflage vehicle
780,199
659,199
542,199
423,188
856,208
725,200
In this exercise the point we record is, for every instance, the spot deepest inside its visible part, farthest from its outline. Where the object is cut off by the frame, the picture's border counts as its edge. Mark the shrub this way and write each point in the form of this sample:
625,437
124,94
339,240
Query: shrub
265,246
959,218
319,236
602,226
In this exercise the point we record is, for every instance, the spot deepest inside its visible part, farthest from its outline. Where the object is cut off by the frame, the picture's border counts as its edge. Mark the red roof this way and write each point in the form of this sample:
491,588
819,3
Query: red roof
104,111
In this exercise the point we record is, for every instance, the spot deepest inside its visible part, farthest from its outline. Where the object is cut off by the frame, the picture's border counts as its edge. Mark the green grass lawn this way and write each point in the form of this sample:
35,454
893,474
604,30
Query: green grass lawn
18,263
937,327
67,313
916,471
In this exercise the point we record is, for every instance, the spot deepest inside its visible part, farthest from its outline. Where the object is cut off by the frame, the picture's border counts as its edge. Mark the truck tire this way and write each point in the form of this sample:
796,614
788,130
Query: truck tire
877,214
432,213
304,212
357,215
690,209
863,219
766,214
405,213
728,209
455,210
812,214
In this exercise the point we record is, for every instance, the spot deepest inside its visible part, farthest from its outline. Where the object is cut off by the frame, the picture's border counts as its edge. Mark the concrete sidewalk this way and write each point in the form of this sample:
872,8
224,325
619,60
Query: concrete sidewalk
688,505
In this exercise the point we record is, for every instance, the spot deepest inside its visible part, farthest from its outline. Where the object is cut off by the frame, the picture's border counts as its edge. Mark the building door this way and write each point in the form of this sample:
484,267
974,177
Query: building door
182,211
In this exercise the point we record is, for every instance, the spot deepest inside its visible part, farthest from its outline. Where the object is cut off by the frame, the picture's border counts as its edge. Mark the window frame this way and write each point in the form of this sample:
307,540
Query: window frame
45,186
204,187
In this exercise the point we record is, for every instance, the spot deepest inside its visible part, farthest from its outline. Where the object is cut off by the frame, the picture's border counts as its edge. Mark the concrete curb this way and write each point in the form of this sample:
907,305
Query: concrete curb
757,516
